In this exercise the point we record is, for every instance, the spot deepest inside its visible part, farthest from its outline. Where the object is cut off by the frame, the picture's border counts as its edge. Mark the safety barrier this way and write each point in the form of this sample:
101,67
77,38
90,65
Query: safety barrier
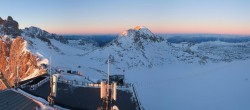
33,87
87,84
137,98
25,84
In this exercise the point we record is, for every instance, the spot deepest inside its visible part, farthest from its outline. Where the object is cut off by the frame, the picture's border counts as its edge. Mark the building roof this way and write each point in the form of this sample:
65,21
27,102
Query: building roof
81,97
12,100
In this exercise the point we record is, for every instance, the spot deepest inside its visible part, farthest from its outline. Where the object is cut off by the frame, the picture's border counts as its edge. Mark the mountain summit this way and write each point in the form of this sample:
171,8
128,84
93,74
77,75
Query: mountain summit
138,35
138,30
9,27
139,27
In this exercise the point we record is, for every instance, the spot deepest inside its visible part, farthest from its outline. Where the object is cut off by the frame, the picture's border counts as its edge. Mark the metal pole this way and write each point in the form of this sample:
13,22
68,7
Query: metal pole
50,66
108,84
17,76
51,96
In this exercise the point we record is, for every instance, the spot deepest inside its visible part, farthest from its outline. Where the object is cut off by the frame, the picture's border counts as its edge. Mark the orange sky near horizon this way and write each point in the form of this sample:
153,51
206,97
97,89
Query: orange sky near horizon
159,30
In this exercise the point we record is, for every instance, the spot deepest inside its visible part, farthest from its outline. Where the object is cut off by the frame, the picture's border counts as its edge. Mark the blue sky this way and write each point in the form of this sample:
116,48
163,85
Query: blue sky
115,16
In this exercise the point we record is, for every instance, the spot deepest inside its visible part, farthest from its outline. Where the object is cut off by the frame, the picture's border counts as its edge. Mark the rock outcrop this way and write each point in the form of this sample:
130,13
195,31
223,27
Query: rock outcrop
9,27
2,86
13,54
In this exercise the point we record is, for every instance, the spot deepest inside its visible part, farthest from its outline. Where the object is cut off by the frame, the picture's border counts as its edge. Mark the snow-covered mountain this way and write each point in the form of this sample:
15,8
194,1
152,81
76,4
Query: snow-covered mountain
133,48
36,32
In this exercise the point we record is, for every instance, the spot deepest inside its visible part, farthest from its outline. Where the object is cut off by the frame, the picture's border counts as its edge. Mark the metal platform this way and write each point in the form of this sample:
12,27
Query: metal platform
82,97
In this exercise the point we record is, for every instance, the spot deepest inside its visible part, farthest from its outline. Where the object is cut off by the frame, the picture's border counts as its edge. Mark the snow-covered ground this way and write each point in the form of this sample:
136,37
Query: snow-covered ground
214,86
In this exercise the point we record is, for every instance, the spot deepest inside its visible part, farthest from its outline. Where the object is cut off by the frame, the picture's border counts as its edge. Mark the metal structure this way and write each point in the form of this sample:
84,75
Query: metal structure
53,87
108,93
103,90
114,92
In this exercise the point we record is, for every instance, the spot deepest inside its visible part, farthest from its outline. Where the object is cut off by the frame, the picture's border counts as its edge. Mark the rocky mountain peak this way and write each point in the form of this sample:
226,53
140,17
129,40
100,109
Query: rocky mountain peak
139,34
9,27
9,18
138,30
36,32
139,27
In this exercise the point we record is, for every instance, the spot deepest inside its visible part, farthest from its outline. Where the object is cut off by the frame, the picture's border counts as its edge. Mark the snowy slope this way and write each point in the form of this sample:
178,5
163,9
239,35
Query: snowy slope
62,55
214,86
86,45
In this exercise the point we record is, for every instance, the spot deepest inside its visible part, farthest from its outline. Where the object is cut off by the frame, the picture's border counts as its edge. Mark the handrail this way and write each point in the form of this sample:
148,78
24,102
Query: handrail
39,83
88,84
137,97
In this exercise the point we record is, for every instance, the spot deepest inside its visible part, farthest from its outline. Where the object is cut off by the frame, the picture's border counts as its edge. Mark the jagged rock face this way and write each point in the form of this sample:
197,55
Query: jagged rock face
3,59
13,54
4,52
2,86
1,20
9,27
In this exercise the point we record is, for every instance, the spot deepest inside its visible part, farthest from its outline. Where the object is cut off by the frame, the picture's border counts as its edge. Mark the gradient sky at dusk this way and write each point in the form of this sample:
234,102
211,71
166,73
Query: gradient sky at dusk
115,16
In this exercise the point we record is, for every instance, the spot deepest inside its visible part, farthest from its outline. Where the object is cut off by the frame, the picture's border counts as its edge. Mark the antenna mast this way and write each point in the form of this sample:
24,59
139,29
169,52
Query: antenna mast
108,71
108,97
50,67
108,82
52,95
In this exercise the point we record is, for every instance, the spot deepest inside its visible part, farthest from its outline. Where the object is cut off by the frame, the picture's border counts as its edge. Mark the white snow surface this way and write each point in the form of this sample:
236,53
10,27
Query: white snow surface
220,86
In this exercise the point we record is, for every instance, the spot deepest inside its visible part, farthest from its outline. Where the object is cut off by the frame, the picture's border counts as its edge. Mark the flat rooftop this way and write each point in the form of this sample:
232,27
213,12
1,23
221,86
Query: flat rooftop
88,98
12,100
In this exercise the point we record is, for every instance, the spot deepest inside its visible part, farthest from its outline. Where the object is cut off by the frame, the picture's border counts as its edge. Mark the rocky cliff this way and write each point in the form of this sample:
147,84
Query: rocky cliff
15,58
14,55
9,27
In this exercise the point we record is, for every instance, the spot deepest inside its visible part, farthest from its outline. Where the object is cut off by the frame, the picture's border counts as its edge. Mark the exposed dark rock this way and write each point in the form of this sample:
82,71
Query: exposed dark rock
1,21
9,18
10,27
